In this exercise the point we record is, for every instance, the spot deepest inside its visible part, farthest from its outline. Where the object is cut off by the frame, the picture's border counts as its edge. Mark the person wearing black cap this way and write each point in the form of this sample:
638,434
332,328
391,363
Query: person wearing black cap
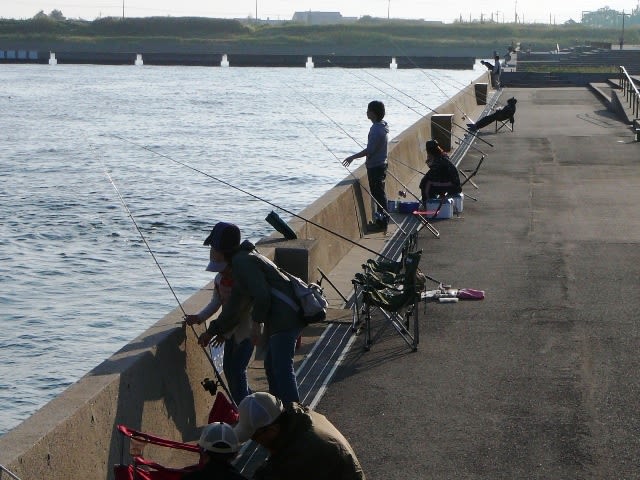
376,162
218,447
254,279
238,344
442,177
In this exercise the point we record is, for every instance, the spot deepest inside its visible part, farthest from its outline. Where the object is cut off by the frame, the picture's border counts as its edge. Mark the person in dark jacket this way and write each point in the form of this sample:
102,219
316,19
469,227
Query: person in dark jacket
442,177
218,447
505,113
302,444
254,279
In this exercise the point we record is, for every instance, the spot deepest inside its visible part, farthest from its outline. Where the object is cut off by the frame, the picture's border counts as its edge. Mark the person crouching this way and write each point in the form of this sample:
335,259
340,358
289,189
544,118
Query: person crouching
302,443
218,447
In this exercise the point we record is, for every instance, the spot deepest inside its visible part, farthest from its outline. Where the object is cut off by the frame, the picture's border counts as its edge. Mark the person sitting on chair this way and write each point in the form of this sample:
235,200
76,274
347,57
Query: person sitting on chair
502,114
442,177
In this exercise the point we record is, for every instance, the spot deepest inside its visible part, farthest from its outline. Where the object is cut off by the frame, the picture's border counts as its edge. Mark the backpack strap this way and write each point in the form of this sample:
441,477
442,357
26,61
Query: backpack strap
274,291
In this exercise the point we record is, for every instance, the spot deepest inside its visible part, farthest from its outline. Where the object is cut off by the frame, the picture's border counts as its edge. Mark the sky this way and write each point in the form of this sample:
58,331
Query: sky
538,11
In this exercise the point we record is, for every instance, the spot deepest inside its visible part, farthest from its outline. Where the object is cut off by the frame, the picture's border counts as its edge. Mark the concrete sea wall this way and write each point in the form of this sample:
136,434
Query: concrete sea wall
22,55
153,383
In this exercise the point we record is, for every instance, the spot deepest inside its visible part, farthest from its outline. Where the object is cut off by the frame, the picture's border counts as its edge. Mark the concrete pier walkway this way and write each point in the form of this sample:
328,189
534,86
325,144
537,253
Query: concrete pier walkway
539,380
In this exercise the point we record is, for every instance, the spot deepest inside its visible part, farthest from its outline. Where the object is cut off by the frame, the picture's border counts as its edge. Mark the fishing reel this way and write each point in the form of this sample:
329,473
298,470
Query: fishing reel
210,386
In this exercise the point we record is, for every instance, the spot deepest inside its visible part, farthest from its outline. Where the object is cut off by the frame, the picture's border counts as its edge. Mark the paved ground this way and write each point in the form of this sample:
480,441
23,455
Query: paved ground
539,380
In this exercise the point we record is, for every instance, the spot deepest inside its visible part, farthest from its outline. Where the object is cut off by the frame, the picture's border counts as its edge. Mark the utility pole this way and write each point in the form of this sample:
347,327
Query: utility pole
256,12
388,10
123,9
622,37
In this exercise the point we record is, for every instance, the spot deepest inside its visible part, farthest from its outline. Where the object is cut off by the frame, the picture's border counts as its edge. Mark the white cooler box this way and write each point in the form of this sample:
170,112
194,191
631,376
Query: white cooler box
446,210
458,200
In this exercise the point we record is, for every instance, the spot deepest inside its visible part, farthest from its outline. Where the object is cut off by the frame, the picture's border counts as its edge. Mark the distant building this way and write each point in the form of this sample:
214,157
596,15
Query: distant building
320,18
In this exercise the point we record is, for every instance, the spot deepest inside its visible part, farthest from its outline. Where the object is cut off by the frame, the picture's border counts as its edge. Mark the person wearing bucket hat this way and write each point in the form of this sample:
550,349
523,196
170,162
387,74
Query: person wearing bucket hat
442,177
302,443
218,447
254,279
224,239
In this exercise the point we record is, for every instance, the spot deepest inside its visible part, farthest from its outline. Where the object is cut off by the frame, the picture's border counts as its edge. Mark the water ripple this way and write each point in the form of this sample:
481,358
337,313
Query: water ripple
76,280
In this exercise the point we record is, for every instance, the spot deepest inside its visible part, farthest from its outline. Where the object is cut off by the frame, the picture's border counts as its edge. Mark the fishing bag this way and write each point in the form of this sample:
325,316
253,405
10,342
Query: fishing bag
310,299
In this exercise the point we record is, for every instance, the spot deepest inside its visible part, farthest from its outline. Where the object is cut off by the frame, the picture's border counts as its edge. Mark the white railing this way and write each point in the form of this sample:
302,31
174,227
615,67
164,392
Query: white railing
631,94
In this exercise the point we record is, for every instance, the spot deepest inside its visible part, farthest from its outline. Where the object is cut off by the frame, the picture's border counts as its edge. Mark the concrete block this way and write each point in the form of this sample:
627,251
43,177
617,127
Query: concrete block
441,127
481,90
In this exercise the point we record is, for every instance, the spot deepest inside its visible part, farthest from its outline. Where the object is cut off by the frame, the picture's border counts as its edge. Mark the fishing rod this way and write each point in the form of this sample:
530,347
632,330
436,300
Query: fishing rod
230,185
461,141
455,104
440,127
8,472
434,231
404,54
429,226
434,111
382,207
219,379
353,175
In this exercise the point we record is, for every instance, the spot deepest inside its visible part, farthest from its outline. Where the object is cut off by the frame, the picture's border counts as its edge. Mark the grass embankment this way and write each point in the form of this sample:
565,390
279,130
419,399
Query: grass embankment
366,35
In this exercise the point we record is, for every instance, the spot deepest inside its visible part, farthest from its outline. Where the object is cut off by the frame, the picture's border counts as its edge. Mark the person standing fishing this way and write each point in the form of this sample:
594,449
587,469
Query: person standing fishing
376,162
238,345
254,279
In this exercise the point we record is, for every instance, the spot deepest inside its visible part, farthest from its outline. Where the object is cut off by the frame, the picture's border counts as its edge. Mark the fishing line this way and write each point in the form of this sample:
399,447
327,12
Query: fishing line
383,207
230,185
352,174
434,111
404,54
220,381
431,228
442,129
461,141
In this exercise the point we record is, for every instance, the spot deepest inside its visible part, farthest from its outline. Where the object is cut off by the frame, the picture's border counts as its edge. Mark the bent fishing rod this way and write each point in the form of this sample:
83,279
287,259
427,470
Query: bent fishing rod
252,195
464,115
461,141
353,175
430,227
219,379
405,55
382,207
440,127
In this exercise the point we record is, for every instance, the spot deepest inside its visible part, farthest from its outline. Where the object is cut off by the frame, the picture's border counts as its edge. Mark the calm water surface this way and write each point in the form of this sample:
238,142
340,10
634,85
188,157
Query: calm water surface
76,280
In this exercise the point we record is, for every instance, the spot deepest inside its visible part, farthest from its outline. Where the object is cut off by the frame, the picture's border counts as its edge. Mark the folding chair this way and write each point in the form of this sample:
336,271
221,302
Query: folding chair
380,269
397,302
142,468
508,123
